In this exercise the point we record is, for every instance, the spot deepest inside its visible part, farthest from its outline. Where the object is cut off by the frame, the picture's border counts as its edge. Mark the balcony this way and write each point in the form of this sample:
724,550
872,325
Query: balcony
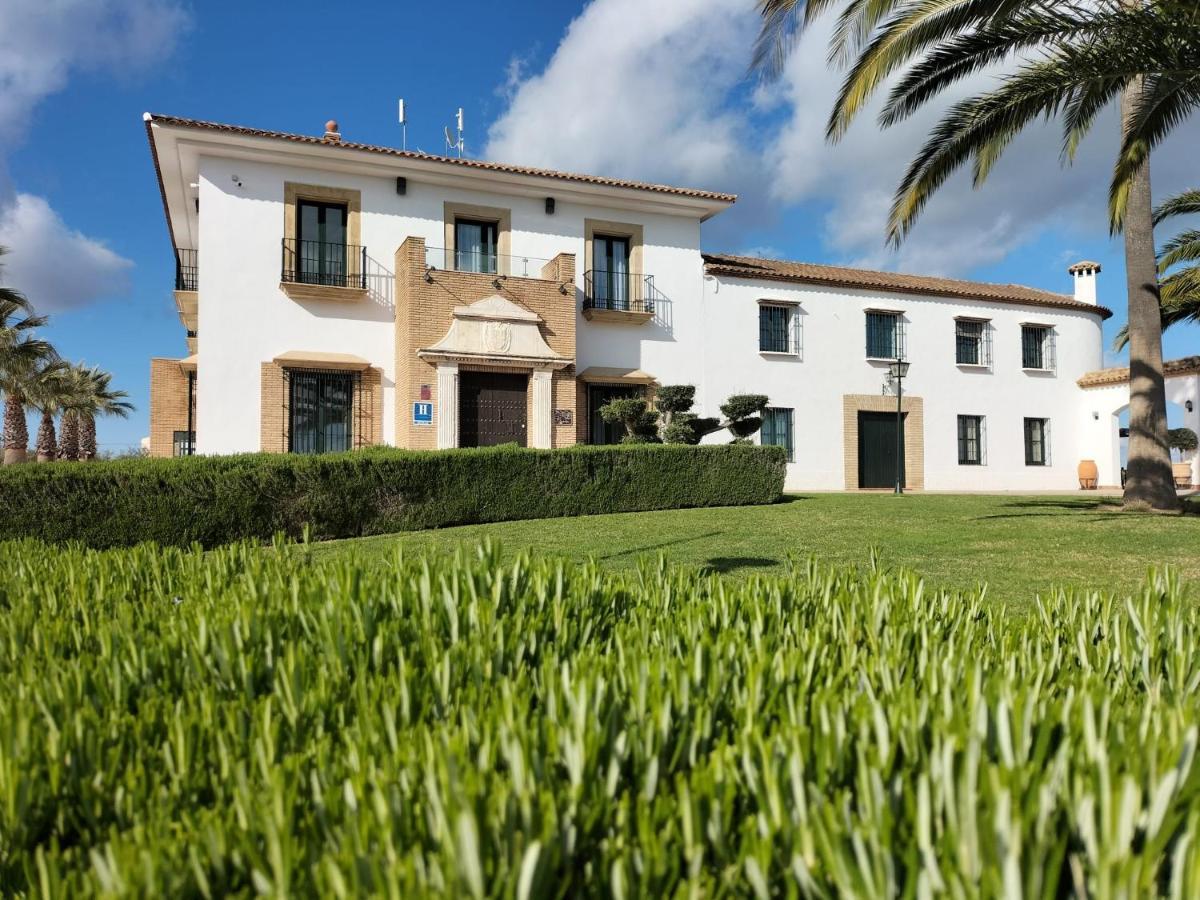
323,270
187,270
618,297
486,262
187,283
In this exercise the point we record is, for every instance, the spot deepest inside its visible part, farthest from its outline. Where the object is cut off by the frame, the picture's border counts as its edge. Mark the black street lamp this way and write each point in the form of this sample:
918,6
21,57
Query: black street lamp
898,372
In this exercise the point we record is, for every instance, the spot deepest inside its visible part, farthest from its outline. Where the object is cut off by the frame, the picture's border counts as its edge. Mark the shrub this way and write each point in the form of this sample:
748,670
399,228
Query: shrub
214,500
181,724
641,422
1181,439
743,415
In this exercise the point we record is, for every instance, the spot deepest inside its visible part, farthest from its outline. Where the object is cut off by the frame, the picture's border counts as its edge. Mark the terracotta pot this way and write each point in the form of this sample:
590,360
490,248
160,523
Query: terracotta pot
1183,474
1089,475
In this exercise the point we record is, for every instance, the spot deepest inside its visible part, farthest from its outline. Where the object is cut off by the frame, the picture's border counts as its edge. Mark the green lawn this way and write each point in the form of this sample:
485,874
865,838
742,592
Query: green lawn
1018,545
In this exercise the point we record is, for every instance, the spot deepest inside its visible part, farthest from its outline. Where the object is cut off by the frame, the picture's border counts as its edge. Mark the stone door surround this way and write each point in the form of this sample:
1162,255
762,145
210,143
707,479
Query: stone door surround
914,434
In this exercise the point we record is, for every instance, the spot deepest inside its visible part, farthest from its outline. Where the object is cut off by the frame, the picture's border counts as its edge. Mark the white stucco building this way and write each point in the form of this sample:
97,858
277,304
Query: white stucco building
337,295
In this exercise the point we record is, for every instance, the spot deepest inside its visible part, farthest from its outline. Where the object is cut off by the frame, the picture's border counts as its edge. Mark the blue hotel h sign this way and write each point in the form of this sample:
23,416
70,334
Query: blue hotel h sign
422,413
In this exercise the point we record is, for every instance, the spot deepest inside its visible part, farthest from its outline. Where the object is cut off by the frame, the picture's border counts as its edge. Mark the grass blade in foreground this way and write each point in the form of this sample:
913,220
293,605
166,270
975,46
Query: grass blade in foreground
174,723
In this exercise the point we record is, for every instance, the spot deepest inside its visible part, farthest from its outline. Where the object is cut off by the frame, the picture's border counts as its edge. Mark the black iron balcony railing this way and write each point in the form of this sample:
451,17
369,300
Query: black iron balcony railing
324,263
187,270
619,291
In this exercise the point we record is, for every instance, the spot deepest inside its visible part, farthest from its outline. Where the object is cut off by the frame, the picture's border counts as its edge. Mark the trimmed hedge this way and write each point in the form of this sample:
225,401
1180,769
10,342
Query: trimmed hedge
216,500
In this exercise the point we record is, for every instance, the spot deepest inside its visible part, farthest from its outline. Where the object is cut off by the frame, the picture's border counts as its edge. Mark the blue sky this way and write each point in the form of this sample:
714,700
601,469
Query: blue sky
616,87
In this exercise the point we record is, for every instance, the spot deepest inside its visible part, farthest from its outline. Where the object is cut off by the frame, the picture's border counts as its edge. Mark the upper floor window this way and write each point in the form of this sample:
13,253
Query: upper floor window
321,242
475,245
777,430
972,342
1037,347
610,271
970,441
885,335
777,328
1037,442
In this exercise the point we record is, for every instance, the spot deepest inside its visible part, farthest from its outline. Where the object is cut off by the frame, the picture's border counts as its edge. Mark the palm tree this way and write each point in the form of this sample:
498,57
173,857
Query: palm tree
19,353
1074,60
48,390
95,397
1180,289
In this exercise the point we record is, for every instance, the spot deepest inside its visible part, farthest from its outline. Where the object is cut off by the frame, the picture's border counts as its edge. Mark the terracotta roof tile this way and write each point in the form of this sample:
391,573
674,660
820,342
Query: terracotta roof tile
840,276
177,121
1186,365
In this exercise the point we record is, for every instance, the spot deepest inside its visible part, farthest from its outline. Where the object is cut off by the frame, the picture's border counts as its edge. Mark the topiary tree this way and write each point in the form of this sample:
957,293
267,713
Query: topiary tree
1181,439
743,415
641,422
674,402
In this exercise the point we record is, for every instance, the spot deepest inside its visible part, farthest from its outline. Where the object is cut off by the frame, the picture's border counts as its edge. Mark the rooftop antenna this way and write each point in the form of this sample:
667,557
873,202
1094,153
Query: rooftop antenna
403,127
452,144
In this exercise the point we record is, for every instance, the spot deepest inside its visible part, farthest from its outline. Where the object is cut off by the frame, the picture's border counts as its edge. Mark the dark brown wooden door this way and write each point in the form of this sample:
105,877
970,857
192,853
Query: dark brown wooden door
491,409
877,450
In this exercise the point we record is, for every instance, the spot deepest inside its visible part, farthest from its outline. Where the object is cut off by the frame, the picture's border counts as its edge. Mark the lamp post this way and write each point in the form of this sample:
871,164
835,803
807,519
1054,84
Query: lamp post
898,372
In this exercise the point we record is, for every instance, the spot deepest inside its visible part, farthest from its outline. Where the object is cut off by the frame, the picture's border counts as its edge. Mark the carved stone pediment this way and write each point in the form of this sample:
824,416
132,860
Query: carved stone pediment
495,331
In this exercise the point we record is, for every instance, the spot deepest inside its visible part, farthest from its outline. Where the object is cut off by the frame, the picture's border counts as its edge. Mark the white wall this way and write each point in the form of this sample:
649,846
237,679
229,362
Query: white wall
705,331
1100,412
833,362
245,319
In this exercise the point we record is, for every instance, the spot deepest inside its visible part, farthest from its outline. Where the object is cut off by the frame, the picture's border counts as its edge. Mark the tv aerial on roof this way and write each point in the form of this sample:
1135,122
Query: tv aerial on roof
459,144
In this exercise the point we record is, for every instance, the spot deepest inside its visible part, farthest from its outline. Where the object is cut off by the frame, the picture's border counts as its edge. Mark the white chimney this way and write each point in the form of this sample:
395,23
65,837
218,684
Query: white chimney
1085,274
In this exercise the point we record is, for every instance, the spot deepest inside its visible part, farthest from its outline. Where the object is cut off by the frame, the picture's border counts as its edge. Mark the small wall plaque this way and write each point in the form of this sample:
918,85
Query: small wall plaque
426,392
564,416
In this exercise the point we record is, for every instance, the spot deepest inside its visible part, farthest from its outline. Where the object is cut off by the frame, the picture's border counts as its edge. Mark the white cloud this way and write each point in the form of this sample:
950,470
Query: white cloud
55,267
668,101
42,43
636,89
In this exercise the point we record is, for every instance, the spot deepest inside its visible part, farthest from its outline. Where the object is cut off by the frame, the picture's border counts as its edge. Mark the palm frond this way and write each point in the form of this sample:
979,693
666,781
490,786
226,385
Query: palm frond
782,23
1183,204
1182,248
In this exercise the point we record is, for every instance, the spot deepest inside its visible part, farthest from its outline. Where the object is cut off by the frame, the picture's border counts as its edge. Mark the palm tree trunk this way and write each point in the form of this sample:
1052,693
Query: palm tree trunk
1149,482
16,435
68,447
87,437
47,441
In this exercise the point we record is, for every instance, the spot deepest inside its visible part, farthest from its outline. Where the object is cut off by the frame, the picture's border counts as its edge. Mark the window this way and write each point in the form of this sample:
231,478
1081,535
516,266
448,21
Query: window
1037,442
610,272
777,430
182,442
475,245
777,330
320,407
321,243
1037,347
972,342
885,335
971,443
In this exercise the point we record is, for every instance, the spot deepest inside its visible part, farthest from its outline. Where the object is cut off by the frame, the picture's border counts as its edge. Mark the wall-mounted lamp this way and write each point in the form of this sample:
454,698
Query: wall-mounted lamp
549,206
1188,405
401,185
1096,415
237,181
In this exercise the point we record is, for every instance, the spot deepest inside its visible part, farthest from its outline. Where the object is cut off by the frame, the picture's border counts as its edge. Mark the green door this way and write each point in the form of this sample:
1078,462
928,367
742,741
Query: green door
877,450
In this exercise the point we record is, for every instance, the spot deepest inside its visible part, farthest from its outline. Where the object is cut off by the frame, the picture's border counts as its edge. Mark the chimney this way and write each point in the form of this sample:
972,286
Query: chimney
331,131
1085,274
